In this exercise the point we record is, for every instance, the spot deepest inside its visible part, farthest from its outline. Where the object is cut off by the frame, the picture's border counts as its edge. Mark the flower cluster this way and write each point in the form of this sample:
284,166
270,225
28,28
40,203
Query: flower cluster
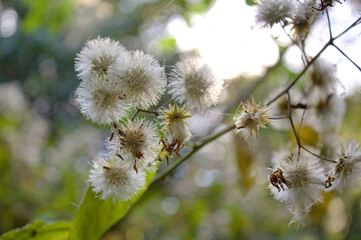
299,182
113,82
114,79
311,114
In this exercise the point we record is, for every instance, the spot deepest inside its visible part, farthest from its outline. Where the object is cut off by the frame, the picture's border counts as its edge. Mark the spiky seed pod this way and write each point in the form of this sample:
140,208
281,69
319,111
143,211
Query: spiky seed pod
174,122
98,60
142,79
305,179
195,84
251,119
111,178
101,103
347,172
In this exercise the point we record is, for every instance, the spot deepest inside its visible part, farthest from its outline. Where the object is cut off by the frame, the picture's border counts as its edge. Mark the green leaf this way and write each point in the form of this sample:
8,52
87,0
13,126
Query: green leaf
95,216
251,2
39,230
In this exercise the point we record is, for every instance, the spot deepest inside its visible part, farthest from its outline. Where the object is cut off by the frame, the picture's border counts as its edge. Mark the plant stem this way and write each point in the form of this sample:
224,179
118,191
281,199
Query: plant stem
299,75
345,55
195,149
347,29
319,156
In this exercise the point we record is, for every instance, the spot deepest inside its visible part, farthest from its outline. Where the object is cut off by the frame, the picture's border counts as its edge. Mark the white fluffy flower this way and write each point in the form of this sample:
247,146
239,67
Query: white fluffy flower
323,77
142,79
347,173
306,182
327,112
270,12
195,84
98,59
251,119
101,103
136,142
303,19
113,179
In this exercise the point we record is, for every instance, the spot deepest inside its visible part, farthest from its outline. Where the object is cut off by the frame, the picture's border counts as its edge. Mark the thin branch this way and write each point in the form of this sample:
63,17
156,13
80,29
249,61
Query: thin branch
358,21
195,149
299,75
319,156
145,111
303,115
279,117
295,43
345,55
329,23
292,124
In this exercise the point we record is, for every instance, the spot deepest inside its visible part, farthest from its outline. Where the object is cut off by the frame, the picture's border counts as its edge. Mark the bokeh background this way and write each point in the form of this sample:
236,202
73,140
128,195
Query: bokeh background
221,192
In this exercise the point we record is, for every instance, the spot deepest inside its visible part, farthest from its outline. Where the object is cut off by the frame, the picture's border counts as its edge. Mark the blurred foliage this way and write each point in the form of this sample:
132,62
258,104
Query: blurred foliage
57,14
39,230
218,194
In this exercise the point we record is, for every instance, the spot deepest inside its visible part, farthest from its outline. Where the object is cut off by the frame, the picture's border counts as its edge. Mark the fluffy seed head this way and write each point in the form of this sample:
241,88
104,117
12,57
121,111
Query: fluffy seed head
347,173
271,12
307,180
101,103
136,142
251,119
323,77
303,19
113,179
175,123
142,79
98,59
195,84
328,112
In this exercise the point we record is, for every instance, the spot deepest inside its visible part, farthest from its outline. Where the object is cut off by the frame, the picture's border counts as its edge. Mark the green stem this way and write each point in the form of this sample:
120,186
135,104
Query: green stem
190,154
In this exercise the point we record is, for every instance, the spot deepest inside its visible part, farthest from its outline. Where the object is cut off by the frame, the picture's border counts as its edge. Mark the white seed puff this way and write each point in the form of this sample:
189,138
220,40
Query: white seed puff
111,178
195,84
347,172
136,143
323,77
142,79
307,181
270,12
101,103
98,60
